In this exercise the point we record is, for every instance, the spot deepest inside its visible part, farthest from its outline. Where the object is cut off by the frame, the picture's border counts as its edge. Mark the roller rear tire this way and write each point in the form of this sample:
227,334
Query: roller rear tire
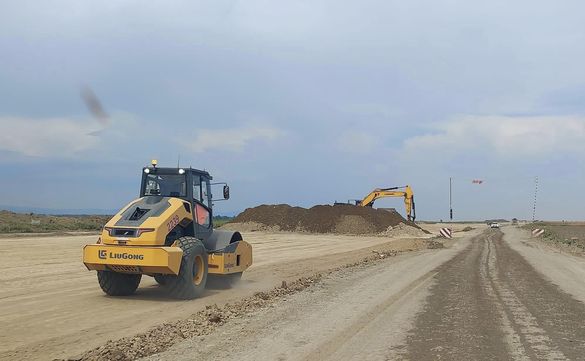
118,284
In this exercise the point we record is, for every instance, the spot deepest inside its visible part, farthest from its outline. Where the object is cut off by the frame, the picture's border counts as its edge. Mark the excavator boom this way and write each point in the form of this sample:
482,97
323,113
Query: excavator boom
378,193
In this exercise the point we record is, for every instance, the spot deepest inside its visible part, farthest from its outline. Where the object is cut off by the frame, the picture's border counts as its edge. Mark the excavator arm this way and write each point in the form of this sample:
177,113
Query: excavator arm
378,193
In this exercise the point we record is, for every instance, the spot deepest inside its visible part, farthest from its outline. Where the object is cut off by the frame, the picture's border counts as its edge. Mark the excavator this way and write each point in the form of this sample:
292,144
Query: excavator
378,193
405,191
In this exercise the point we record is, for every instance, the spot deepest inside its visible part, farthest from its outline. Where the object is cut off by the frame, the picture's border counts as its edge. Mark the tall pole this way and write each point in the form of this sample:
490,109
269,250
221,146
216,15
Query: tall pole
535,193
450,198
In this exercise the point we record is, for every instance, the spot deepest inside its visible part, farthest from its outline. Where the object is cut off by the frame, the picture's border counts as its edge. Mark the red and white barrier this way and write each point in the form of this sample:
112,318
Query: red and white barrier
537,232
446,232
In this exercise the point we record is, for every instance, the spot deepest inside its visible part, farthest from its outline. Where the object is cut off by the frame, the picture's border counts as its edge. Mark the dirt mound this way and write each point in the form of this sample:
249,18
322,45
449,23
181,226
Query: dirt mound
249,227
344,219
281,216
404,230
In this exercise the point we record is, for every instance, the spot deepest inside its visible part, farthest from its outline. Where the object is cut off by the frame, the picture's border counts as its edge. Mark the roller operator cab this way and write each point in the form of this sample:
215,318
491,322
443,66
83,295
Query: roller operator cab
168,234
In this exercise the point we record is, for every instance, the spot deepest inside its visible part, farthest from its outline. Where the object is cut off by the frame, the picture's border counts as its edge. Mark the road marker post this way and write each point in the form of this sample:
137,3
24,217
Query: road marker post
446,232
537,232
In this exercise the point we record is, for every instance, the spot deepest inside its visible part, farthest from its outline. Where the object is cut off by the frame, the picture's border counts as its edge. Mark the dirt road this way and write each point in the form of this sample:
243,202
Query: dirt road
52,307
480,300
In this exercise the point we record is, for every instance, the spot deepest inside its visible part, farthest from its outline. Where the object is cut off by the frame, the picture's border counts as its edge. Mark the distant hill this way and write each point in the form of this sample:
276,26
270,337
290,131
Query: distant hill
11,222
82,211
52,211
500,220
37,222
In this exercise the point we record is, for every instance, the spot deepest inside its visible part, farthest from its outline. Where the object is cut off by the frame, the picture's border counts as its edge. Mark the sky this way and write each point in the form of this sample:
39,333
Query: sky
298,102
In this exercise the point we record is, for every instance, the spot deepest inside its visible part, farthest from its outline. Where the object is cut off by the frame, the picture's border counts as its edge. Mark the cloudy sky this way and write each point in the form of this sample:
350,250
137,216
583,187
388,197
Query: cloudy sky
299,102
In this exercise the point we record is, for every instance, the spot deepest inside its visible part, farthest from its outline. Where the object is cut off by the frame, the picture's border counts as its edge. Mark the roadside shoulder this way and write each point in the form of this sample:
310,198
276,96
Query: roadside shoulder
565,270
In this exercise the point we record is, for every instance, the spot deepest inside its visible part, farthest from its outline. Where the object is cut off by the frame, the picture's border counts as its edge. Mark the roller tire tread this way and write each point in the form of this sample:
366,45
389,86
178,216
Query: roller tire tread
182,286
118,284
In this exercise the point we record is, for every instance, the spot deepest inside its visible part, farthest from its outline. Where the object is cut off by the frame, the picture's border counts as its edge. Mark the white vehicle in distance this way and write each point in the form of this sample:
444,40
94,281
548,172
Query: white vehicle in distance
494,225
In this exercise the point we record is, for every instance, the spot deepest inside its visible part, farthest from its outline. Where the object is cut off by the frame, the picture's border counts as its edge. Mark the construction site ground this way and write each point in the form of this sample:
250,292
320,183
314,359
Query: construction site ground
52,307
492,296
487,295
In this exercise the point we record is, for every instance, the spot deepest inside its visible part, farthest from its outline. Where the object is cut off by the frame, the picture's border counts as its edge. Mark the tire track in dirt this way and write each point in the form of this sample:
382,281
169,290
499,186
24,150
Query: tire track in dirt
488,303
526,339
511,337
453,324
548,319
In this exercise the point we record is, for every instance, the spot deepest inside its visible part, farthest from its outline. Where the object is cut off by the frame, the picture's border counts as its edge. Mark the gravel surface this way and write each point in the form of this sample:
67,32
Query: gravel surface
345,316
489,303
478,300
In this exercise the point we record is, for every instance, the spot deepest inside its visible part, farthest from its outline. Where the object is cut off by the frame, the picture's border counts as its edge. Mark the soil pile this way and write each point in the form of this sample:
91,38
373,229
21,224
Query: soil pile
343,219
403,230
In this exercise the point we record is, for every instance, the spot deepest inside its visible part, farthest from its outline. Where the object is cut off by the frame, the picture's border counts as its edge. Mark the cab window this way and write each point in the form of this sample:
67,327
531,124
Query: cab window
166,185
205,189
197,188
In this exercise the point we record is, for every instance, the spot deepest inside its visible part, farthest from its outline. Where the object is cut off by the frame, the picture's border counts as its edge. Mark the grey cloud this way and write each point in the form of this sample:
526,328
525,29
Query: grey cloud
319,71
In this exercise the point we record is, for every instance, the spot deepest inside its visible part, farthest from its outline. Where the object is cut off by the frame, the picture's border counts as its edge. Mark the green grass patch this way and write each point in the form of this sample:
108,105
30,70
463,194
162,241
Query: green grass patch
11,222
219,221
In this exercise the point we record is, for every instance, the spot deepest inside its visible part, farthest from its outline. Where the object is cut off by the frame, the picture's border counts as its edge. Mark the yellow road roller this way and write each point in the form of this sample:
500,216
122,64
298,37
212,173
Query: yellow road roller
168,234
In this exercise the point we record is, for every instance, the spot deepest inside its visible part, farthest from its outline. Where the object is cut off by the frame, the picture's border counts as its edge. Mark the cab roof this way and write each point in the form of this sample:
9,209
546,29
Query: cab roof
173,170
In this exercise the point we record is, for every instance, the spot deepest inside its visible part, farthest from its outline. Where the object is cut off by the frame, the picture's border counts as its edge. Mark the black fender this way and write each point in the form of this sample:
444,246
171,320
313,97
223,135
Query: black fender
220,239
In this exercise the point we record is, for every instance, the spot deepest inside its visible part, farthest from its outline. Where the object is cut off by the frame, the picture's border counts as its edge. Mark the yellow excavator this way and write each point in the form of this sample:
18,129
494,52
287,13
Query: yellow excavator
378,193
405,191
